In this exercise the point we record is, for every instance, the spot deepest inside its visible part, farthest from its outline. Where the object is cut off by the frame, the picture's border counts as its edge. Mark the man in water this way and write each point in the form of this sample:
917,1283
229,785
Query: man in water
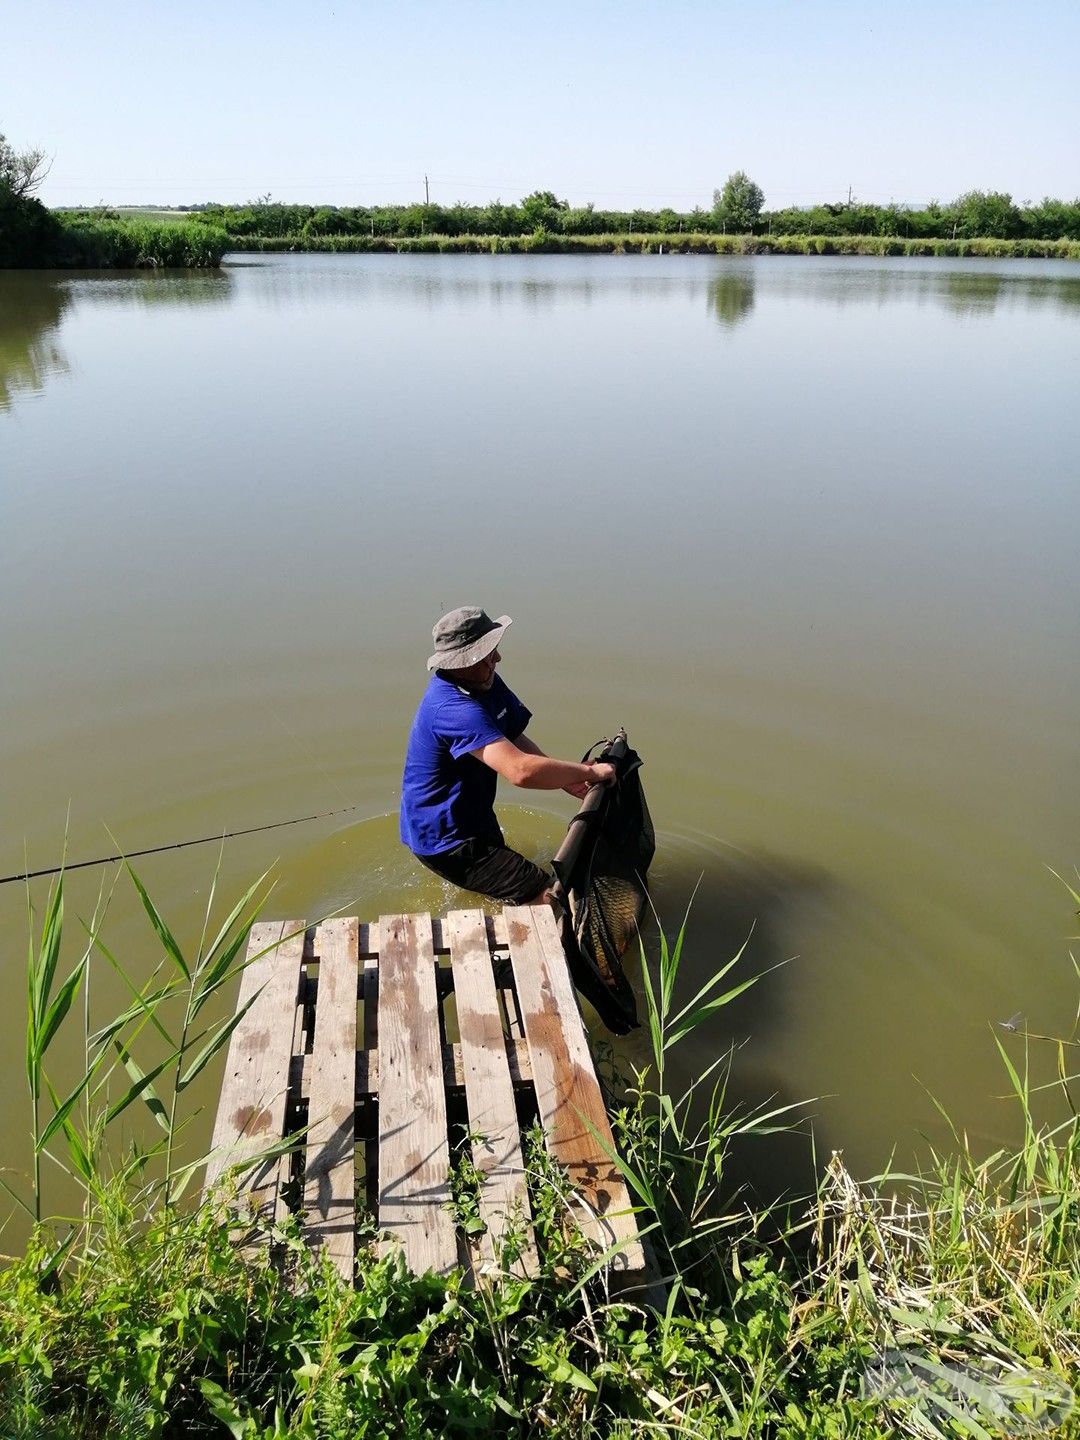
469,730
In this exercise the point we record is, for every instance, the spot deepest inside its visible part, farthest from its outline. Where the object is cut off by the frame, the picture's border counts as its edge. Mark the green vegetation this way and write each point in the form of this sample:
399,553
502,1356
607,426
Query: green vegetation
946,1303
738,212
737,207
541,242
26,228
32,236
95,240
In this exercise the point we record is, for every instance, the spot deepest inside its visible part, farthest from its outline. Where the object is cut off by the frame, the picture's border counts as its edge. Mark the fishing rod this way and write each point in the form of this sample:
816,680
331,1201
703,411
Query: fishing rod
176,845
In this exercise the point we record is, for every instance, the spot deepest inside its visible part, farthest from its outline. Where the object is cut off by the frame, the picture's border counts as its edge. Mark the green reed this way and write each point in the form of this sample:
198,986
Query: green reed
169,1010
88,240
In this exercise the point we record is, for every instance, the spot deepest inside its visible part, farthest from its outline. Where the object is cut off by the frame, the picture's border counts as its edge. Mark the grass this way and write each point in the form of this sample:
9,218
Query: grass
941,1303
681,243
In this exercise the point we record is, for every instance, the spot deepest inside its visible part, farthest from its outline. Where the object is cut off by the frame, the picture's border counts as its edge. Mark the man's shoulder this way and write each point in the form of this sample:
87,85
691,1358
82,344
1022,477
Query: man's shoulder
449,708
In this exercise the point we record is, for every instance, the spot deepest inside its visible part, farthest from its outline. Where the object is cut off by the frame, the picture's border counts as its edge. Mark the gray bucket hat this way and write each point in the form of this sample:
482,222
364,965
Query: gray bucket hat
465,636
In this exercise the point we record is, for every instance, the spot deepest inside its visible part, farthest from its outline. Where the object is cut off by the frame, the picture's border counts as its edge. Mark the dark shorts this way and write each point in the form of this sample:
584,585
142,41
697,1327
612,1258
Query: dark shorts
490,868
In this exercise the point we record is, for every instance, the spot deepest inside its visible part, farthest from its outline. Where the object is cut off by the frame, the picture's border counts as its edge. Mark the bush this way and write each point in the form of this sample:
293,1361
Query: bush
28,232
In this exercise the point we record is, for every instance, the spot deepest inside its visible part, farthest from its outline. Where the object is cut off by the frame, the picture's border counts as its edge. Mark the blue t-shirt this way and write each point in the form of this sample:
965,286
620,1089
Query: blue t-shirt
447,796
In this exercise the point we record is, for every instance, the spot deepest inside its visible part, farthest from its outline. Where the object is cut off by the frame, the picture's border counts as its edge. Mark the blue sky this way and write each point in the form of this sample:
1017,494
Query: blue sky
627,104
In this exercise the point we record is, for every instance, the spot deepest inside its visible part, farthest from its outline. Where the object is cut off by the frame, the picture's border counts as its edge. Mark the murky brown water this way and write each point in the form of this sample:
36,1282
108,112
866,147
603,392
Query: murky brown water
807,529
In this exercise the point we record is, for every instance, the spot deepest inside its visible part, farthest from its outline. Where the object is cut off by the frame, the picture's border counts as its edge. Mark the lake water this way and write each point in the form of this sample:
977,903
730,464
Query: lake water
807,528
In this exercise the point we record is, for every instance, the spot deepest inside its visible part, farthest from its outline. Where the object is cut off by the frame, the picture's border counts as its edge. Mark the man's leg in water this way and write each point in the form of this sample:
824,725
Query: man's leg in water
494,870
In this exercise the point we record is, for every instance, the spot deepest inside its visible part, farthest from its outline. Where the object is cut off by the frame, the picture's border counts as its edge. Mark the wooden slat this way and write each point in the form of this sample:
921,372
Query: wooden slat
251,1110
489,1089
567,1091
367,1070
414,1152
330,1176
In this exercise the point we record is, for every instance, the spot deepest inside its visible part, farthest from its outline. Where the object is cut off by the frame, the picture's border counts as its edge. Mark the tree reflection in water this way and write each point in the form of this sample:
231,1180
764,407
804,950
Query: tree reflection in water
31,310
731,297
33,306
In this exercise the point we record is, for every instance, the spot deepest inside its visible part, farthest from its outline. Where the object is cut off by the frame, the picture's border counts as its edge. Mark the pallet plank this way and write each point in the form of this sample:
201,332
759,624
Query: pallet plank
251,1108
567,1091
330,1175
489,1088
414,1152
367,1070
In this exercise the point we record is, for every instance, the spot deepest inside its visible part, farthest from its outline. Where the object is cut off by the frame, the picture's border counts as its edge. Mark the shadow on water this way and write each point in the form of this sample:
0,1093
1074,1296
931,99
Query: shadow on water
30,318
751,900
731,298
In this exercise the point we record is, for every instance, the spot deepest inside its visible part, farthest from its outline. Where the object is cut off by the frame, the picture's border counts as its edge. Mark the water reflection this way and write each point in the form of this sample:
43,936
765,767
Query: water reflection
731,298
33,307
30,317
149,290
973,294
533,283
961,288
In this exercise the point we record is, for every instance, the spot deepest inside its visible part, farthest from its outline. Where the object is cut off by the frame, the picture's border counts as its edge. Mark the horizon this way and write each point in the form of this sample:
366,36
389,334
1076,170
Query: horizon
624,106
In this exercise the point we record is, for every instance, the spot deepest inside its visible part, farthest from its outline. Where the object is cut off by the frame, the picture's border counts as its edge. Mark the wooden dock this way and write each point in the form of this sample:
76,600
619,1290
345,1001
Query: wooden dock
389,1045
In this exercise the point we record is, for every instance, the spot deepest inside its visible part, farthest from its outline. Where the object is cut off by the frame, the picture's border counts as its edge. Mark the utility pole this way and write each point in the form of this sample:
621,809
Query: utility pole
849,197
427,196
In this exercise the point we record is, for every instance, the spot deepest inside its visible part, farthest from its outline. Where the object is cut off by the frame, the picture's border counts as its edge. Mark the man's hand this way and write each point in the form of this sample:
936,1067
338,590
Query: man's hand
600,773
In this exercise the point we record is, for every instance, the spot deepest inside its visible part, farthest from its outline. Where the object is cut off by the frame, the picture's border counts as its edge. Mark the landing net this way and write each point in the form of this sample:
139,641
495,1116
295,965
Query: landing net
601,869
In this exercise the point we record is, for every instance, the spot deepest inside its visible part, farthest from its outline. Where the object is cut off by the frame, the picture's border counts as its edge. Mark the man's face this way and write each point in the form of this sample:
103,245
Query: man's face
479,676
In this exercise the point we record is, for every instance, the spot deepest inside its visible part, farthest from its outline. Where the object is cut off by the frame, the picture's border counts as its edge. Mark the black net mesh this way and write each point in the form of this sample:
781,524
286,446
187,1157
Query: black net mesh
602,868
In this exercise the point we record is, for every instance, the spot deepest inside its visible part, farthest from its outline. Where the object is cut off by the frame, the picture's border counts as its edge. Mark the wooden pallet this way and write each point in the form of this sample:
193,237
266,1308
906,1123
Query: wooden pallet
387,1041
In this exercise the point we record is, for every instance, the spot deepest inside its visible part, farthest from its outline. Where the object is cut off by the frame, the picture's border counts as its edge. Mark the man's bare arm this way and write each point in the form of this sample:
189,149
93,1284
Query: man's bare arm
533,770
578,790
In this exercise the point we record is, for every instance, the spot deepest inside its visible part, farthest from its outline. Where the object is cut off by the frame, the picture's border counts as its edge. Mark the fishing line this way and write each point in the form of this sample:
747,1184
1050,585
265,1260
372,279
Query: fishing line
176,845
307,750
206,839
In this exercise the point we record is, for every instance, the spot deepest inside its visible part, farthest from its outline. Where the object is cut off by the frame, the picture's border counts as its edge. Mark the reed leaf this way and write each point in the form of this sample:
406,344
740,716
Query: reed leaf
65,1107
54,1015
219,1039
43,970
81,1159
164,934
235,914
714,980
146,1008
689,1020
147,1004
221,971
142,1085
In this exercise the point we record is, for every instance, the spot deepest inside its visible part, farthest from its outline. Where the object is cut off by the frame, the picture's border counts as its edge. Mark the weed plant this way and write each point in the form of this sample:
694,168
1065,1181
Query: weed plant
941,1303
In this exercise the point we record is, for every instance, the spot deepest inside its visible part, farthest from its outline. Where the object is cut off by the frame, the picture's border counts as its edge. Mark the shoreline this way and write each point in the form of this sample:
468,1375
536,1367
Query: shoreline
880,246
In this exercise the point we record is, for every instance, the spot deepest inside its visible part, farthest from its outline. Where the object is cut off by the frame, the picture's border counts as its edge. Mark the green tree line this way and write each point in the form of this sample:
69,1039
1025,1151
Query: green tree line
737,210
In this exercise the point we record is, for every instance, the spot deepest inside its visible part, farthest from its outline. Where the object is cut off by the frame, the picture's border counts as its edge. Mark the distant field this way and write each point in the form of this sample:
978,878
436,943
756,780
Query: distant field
141,212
